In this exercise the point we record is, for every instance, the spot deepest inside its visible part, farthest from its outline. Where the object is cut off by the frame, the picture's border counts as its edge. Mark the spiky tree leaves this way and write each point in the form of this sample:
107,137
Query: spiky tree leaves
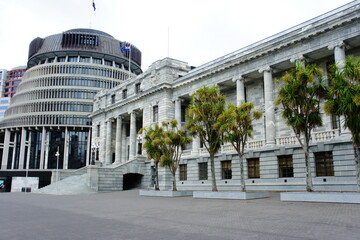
206,105
300,97
151,140
163,144
171,142
236,122
344,99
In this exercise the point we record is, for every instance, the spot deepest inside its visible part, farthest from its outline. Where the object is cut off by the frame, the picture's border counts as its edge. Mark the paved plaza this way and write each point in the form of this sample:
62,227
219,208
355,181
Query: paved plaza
126,215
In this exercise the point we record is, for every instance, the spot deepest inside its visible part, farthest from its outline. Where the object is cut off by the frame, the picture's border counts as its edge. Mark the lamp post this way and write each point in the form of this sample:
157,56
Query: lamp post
57,154
139,139
152,169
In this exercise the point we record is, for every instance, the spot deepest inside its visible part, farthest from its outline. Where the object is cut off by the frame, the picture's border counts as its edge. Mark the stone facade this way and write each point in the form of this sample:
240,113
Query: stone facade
274,159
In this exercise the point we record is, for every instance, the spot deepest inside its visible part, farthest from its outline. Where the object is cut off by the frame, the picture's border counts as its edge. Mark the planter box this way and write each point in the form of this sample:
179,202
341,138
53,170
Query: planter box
330,197
231,195
153,193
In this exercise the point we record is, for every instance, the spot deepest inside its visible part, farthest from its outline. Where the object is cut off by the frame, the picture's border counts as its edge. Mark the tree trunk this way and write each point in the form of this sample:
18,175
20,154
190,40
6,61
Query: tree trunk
157,176
213,180
357,165
174,180
309,185
242,177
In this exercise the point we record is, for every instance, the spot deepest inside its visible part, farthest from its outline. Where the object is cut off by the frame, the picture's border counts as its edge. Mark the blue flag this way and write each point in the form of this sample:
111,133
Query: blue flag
125,48
93,4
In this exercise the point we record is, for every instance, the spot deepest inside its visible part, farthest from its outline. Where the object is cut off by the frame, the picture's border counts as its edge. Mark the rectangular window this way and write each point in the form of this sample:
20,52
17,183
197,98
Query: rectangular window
72,59
226,172
98,130
286,168
61,59
108,63
203,171
335,121
155,113
113,99
85,59
253,167
183,172
324,164
124,93
97,60
183,113
137,87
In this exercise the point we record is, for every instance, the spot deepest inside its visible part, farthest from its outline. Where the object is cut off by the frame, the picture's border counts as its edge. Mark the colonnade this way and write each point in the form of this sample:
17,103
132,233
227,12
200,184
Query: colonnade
125,148
23,150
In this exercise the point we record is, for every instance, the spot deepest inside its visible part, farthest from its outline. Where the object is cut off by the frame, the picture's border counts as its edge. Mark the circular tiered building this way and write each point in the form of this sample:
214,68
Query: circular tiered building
49,112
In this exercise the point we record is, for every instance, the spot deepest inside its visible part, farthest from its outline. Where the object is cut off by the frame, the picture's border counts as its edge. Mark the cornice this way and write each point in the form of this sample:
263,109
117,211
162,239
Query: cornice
319,25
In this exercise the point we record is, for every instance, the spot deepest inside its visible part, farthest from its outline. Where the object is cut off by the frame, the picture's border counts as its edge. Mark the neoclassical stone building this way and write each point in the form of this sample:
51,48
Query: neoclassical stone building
274,159
49,112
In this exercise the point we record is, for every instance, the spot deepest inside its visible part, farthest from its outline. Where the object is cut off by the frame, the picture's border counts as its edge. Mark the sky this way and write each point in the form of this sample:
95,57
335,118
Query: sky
193,31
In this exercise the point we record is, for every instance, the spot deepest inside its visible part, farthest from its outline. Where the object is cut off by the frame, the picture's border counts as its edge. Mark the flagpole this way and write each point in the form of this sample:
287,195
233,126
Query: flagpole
168,41
90,18
129,61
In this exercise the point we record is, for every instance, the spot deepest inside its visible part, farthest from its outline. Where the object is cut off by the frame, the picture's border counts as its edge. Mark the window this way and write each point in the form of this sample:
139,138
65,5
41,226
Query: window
324,164
98,130
226,172
112,99
203,171
183,172
85,59
286,166
137,87
335,121
108,63
61,59
72,59
253,167
124,93
183,113
156,113
97,60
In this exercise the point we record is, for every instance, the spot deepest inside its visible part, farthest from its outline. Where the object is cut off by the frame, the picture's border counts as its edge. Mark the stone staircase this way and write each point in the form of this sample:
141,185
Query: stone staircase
110,178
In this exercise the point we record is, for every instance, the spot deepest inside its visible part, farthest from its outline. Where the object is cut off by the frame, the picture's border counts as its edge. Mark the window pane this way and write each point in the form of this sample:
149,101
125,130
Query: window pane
226,172
253,168
286,166
183,172
324,164
203,171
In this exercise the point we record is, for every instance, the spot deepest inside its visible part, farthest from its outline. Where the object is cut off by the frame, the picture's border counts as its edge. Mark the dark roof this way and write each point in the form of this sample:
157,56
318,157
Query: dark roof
92,31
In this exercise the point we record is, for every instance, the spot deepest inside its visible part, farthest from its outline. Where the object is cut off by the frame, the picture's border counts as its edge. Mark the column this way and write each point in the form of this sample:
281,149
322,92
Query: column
240,90
178,111
46,161
133,134
22,149
195,145
108,141
66,149
6,149
124,145
14,150
118,140
339,57
269,106
102,143
339,53
28,152
43,146
89,150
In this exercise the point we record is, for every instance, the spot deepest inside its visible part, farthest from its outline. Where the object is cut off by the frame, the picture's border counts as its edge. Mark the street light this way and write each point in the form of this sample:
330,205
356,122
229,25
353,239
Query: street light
94,149
57,154
139,139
